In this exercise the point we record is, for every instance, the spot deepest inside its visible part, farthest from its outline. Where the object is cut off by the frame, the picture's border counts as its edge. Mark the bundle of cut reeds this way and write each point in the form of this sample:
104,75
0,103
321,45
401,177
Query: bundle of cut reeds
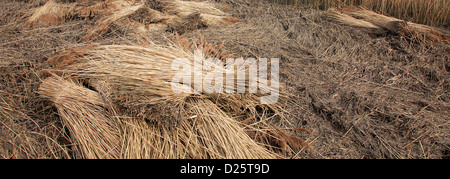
93,127
361,17
205,131
429,12
156,122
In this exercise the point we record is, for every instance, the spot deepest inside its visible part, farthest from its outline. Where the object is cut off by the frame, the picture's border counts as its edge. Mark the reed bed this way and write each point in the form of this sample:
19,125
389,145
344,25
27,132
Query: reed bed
429,12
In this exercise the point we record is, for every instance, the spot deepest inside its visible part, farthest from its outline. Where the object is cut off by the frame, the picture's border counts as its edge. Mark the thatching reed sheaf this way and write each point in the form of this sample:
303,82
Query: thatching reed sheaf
155,121
93,129
361,17
144,16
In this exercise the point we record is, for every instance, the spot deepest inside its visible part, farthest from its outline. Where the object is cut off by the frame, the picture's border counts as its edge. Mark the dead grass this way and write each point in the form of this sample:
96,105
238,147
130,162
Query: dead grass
431,12
140,85
362,95
154,16
31,127
337,16
350,94
360,17
23,135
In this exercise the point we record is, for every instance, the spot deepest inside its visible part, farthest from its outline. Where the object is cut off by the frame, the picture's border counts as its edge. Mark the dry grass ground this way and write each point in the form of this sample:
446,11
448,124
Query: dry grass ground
352,93
362,94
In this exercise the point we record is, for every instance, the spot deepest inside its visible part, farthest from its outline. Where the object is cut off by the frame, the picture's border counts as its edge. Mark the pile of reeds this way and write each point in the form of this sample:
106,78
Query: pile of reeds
118,101
361,17
143,15
123,96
